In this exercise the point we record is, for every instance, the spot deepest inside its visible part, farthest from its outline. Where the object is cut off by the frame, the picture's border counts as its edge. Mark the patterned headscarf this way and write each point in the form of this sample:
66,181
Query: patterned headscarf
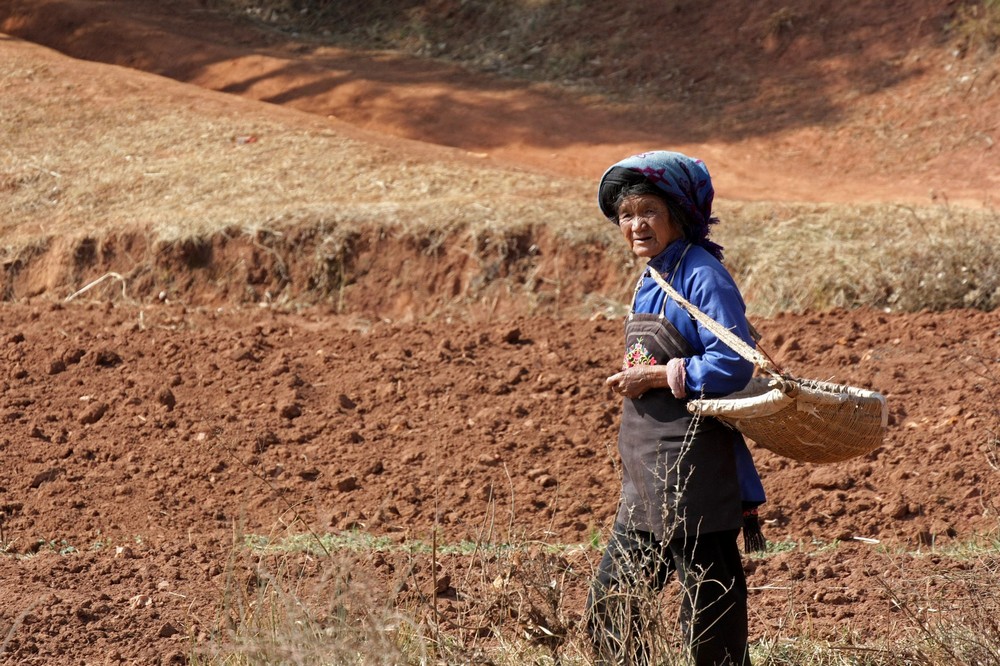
682,179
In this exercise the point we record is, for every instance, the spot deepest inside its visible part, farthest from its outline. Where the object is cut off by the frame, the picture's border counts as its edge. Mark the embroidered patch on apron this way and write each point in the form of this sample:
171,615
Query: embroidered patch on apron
638,354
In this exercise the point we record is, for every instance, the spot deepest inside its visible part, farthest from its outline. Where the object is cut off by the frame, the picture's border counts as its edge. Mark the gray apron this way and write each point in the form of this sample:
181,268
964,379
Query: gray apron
676,481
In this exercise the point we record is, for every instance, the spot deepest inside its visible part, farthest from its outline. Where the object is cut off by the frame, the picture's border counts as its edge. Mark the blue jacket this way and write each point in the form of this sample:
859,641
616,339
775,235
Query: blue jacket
714,369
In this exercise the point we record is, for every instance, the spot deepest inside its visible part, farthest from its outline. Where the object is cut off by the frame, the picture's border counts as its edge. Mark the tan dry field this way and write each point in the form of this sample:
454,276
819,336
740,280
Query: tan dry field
269,298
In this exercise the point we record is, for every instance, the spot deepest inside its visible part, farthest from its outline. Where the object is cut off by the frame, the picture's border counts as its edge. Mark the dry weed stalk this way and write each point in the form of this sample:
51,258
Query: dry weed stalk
96,282
961,624
292,607
977,24
16,625
512,592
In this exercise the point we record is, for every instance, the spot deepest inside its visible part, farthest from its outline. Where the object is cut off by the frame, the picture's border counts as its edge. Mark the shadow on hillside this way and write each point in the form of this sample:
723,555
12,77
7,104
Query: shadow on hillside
746,70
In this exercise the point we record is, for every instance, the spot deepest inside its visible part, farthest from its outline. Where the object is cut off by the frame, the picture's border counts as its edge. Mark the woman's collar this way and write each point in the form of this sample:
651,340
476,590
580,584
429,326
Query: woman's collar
665,260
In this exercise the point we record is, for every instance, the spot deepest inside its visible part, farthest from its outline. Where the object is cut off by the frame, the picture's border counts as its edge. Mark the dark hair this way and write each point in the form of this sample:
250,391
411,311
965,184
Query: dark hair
640,186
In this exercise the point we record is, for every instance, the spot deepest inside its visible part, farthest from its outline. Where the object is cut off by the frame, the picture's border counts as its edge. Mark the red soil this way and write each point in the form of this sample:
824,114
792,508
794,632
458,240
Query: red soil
138,439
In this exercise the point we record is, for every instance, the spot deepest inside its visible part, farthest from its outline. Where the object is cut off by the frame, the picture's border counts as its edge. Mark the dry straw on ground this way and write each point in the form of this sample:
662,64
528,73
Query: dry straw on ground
92,162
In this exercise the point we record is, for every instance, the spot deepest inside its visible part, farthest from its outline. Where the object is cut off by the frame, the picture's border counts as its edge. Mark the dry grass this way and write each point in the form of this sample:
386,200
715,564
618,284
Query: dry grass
295,608
87,160
794,258
301,596
106,157
511,37
977,24
517,601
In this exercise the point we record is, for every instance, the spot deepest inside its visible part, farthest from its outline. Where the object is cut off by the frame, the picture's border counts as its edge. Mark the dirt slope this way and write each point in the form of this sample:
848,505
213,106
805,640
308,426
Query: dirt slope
788,102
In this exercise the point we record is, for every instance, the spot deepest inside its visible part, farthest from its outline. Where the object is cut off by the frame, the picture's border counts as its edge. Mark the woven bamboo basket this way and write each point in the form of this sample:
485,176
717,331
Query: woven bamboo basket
806,420
803,419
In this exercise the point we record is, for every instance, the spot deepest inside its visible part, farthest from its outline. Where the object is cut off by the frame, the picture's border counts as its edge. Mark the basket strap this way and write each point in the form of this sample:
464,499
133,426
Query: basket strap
731,340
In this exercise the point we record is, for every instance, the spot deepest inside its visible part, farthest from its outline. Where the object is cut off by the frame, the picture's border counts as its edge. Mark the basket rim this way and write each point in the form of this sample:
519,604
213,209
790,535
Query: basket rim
765,396
761,404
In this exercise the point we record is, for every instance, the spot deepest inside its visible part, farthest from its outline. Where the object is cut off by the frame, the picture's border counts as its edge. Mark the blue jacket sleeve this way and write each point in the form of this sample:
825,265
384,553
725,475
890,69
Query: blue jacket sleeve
716,369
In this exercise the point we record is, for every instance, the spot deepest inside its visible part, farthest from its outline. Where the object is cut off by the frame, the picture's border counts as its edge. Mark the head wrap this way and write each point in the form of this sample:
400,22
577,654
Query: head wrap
683,180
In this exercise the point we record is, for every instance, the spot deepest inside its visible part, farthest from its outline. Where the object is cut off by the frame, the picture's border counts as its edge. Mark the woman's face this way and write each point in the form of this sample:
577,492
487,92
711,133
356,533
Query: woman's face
646,225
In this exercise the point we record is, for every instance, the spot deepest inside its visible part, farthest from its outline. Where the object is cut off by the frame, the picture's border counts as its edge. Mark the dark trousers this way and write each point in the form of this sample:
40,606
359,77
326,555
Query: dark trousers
636,566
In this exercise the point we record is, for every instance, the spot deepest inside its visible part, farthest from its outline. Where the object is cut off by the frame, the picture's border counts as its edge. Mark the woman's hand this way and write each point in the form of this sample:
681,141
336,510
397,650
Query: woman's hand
633,382
677,377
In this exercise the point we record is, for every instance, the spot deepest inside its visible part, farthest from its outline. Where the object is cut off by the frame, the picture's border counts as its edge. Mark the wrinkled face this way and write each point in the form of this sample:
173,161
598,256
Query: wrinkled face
646,225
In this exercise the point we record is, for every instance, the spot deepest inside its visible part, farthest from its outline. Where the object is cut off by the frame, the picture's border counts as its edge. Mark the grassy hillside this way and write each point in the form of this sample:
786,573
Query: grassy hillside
167,191
213,199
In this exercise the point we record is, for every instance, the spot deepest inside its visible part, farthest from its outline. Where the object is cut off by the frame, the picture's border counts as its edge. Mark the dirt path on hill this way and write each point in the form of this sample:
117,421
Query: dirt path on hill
922,131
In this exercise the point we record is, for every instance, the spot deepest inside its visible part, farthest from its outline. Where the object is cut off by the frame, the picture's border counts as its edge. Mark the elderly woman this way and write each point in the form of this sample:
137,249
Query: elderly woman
683,498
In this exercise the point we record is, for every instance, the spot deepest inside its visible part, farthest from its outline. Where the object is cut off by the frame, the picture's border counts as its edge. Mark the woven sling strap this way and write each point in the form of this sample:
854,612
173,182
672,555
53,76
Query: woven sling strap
731,340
